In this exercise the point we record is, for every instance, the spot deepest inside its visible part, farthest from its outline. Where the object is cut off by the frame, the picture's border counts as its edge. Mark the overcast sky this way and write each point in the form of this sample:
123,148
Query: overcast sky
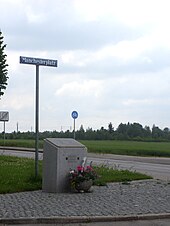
113,62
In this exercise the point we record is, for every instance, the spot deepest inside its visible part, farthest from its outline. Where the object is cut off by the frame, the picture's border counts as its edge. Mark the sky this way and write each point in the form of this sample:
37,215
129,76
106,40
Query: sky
113,63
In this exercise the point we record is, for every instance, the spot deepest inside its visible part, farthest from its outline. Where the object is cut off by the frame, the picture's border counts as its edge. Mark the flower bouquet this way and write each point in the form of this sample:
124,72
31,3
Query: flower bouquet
82,178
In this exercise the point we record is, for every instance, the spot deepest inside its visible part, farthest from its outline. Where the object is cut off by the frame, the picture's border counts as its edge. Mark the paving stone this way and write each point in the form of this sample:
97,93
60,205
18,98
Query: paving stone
136,198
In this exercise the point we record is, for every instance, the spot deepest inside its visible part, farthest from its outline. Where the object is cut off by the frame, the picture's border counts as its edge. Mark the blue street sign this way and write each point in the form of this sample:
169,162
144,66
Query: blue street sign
74,114
38,61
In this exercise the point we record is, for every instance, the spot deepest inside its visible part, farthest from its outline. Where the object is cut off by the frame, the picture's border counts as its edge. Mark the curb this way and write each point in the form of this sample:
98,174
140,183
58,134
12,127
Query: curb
83,219
19,149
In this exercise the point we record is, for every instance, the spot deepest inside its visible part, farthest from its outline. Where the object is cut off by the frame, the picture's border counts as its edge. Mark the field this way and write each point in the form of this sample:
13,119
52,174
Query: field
135,148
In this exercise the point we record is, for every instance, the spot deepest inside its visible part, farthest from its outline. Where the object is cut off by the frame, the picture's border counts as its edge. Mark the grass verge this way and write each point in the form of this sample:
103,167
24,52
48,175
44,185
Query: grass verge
107,175
17,175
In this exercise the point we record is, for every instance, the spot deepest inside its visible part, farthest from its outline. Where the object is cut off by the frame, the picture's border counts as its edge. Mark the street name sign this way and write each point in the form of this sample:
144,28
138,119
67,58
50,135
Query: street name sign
38,61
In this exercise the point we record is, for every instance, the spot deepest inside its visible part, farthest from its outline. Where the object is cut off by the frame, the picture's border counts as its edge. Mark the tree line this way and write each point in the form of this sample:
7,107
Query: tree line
129,131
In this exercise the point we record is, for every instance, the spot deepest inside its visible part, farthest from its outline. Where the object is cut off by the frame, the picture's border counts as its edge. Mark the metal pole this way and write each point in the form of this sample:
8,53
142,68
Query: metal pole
37,120
74,130
4,133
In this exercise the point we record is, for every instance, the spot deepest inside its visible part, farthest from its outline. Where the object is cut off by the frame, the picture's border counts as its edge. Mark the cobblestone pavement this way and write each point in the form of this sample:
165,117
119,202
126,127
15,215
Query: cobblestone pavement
115,199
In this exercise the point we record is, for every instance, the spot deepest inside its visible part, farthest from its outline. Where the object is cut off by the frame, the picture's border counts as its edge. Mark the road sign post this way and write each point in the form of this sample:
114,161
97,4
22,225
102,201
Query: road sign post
37,62
74,115
37,120
4,117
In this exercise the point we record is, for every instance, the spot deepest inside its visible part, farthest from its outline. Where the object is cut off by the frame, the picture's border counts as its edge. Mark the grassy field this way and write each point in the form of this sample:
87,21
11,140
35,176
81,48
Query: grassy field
17,174
135,148
20,143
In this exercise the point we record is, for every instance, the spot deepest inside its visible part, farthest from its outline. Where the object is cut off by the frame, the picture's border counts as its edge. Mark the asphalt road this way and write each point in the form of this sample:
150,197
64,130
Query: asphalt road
158,168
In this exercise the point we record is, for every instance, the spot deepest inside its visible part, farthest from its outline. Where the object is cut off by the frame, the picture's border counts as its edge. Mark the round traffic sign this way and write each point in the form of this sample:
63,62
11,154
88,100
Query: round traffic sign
74,114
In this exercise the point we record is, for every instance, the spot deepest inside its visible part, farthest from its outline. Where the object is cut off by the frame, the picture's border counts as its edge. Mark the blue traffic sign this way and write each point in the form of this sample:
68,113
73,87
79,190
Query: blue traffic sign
74,114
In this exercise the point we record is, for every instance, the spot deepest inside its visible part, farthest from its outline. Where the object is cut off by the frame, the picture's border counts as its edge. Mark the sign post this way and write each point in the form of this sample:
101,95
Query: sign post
4,117
74,115
38,62
37,120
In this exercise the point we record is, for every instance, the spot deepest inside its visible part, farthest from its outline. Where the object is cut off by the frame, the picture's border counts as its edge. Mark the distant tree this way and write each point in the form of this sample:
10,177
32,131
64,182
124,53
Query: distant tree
129,131
3,66
90,134
166,133
135,130
110,128
80,133
157,133
82,129
147,132
166,130
102,128
122,131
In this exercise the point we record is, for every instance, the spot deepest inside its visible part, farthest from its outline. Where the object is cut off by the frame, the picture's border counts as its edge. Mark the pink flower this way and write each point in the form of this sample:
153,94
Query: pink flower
89,168
80,168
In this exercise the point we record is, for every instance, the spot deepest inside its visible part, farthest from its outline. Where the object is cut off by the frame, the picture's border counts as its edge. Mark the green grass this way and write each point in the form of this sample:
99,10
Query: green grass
107,175
17,174
21,143
134,148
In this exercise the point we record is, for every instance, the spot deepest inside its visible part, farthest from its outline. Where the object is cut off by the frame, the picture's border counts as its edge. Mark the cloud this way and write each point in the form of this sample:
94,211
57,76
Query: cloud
85,88
43,26
113,61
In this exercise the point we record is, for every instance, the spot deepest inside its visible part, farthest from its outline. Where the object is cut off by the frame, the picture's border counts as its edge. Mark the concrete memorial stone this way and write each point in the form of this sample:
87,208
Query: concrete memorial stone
60,155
